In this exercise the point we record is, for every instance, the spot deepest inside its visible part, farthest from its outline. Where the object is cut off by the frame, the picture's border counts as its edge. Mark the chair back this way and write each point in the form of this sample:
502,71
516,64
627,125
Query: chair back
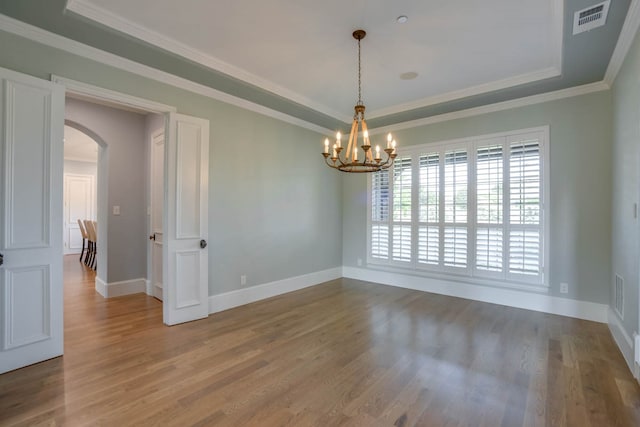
90,231
83,231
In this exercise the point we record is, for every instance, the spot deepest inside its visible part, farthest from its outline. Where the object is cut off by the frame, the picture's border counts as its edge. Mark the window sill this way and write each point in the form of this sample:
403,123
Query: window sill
459,278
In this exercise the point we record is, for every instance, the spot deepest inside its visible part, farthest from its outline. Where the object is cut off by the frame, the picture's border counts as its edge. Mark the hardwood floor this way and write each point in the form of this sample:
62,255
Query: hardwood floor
342,353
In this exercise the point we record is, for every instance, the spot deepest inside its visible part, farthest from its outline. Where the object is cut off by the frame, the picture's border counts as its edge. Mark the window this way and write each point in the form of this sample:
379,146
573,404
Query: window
473,207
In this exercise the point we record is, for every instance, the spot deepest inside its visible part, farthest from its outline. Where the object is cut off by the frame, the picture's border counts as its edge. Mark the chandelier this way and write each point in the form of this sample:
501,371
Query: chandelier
347,160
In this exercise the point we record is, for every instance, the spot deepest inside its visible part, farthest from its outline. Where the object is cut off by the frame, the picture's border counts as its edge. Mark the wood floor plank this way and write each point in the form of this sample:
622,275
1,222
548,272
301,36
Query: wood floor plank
344,353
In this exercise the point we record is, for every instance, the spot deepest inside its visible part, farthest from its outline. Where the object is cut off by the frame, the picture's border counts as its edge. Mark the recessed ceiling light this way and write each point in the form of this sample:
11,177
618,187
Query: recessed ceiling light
410,75
402,19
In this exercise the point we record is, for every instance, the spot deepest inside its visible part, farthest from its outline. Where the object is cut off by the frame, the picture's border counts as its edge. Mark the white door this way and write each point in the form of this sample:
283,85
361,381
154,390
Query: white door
157,205
186,207
79,200
32,111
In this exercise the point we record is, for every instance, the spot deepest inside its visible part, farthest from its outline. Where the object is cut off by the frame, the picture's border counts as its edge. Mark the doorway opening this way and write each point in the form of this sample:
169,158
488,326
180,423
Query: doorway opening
80,192
118,246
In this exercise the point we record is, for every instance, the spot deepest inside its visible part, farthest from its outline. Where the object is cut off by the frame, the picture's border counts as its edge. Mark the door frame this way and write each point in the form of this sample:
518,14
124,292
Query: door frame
152,137
119,100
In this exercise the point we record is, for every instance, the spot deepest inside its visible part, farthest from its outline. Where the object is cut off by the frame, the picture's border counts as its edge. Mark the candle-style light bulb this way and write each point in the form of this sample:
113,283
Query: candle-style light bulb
393,145
335,154
355,154
338,139
377,152
389,138
326,145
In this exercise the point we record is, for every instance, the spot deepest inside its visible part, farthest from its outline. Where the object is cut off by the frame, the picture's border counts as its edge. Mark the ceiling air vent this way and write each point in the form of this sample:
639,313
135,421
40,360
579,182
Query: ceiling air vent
591,17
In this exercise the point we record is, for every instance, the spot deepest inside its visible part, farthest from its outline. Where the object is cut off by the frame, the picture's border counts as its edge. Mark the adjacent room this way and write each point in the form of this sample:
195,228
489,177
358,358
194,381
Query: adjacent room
371,213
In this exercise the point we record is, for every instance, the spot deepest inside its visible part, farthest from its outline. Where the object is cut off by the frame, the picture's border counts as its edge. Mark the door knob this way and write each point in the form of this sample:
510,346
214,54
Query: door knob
203,243
152,237
1,259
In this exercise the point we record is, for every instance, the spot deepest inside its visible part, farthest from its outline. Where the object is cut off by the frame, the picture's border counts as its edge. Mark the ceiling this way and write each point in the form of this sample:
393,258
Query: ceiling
79,146
299,58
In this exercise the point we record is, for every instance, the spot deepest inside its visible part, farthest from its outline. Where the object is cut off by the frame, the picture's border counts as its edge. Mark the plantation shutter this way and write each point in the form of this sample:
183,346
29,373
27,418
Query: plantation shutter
380,215
525,207
429,209
455,209
402,209
489,208
472,207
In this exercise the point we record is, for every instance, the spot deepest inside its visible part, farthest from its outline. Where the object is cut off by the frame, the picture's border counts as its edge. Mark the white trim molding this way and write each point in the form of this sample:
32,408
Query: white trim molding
507,297
244,296
50,39
120,23
109,97
621,337
117,289
102,16
627,35
498,106
534,76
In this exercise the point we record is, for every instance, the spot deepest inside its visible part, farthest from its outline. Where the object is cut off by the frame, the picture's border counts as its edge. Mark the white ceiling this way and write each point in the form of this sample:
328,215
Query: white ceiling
79,146
303,50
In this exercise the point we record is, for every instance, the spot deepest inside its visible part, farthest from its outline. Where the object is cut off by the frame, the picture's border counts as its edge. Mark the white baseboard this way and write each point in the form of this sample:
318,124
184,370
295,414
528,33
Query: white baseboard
101,287
508,297
240,297
622,338
117,289
148,288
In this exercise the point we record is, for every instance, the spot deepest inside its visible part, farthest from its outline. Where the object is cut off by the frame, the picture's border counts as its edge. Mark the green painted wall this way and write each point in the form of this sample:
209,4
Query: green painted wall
625,255
273,208
580,187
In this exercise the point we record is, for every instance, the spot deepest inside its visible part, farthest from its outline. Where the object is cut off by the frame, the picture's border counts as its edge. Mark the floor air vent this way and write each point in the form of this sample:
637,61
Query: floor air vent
591,17
618,295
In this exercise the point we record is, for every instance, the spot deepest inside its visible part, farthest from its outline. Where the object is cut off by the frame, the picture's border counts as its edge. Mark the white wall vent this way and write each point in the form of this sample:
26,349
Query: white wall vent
592,17
618,296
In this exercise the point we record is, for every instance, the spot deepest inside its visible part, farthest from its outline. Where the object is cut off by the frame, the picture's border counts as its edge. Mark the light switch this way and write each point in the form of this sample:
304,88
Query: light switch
116,210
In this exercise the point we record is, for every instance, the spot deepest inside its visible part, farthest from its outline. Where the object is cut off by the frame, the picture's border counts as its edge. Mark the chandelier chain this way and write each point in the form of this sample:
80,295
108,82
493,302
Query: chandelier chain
359,77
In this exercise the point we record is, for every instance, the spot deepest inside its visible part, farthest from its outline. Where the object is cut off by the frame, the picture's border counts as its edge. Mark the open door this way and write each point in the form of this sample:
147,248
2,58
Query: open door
185,272
32,114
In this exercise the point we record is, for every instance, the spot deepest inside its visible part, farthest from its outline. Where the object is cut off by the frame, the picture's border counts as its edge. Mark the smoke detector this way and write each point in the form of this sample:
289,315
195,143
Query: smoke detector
592,17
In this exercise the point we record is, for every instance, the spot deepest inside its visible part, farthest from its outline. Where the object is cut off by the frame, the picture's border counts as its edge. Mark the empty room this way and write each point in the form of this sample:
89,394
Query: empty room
367,213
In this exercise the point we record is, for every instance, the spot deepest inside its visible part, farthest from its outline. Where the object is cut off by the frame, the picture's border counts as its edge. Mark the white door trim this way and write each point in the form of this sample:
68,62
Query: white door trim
117,99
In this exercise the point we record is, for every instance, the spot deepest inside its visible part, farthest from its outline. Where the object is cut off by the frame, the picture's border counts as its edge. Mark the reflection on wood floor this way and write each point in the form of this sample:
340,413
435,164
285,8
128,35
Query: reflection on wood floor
341,353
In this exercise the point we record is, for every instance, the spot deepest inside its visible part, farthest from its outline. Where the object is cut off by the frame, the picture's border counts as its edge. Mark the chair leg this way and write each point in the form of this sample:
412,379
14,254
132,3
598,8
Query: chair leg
82,253
88,254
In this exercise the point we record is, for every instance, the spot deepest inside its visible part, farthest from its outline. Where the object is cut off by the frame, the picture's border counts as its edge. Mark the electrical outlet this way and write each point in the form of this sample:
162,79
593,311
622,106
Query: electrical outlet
564,288
116,210
359,262
243,280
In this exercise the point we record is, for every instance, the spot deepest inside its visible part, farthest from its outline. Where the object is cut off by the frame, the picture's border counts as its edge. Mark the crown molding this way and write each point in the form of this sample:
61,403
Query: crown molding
104,17
467,92
627,35
57,41
499,106
119,23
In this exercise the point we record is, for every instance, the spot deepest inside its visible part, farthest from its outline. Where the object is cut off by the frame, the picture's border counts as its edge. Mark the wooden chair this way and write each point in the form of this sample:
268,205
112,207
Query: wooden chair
90,260
85,237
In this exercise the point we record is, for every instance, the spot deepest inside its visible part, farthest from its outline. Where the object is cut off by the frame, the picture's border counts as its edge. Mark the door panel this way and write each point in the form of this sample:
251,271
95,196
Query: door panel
30,220
186,206
79,191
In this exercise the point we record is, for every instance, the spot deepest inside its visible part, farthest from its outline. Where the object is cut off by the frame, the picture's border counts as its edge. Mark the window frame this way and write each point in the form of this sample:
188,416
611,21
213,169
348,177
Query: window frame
470,273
